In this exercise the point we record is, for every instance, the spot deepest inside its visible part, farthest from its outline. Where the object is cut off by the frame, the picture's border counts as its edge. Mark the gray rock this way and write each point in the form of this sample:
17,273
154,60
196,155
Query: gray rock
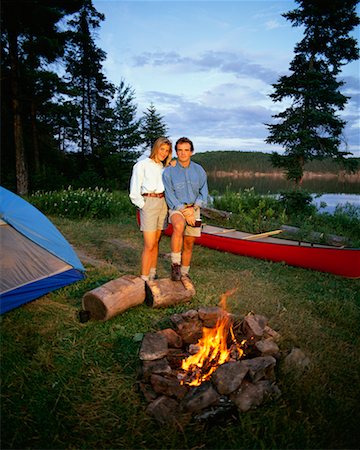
173,339
229,376
154,346
253,326
267,347
164,409
169,386
248,396
200,397
296,359
159,366
260,367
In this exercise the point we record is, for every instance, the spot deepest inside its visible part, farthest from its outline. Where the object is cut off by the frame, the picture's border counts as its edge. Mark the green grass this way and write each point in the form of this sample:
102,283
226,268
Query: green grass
70,385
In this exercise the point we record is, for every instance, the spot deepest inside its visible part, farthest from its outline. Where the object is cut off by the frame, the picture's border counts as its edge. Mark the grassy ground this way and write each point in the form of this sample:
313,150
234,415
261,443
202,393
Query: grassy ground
72,385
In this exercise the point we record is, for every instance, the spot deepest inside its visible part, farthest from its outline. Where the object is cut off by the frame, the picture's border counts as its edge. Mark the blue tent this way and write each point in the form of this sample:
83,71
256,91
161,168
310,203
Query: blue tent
35,257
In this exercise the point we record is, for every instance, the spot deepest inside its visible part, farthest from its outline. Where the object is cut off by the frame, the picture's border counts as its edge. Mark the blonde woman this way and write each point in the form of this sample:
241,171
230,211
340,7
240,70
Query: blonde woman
147,193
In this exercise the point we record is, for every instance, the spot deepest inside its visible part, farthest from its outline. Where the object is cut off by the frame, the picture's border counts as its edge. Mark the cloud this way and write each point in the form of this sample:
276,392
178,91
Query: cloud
225,114
272,25
220,61
219,123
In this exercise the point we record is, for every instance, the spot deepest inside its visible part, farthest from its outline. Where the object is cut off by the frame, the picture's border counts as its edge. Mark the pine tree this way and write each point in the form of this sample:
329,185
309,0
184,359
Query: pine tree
31,39
153,126
90,89
126,125
310,128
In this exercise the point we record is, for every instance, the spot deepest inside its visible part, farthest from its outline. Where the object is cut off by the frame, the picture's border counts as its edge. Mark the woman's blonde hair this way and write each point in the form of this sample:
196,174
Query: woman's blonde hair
155,148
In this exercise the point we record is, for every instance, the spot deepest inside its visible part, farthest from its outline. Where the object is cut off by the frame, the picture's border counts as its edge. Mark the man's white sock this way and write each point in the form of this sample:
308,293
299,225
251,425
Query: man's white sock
176,258
185,270
152,273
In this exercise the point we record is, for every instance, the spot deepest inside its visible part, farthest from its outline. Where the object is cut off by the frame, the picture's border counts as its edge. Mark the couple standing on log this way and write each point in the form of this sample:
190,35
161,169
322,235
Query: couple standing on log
163,188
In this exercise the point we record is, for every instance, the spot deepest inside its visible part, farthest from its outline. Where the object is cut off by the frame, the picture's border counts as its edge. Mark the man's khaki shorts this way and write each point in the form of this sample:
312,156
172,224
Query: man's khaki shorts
153,215
189,231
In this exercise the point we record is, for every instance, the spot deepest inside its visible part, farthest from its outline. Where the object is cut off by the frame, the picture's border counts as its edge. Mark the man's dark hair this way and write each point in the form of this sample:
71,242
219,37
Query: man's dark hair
183,140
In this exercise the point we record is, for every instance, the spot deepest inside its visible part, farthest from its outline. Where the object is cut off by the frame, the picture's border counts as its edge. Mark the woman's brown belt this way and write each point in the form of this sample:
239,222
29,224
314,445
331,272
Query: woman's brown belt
153,194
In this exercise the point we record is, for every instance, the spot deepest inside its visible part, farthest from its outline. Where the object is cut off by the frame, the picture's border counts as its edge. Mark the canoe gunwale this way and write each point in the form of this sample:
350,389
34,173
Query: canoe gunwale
324,258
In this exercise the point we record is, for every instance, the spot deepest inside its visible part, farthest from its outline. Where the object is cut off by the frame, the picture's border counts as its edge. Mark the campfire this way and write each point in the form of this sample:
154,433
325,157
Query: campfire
211,350
207,364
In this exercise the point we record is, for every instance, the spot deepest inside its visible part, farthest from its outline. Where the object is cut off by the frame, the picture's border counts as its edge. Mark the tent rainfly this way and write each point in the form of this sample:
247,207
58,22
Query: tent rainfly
35,257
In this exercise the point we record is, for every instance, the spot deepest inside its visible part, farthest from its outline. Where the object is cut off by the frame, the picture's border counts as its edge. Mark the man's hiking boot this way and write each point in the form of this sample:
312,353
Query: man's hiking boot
175,272
185,276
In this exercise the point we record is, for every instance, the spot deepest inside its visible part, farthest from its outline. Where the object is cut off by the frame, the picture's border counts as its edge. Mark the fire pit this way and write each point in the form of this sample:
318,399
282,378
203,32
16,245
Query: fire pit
209,363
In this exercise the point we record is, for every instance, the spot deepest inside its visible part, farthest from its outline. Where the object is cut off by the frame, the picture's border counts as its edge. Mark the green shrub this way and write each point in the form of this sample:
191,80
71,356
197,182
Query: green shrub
252,212
296,201
256,213
95,203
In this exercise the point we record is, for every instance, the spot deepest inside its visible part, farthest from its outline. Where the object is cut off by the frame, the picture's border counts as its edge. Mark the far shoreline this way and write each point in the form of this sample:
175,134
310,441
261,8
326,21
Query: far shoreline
308,175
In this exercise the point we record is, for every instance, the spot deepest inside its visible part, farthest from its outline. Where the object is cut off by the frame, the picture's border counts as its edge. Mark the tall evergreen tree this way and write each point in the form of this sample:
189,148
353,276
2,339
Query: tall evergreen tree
126,125
153,126
127,138
91,91
310,128
30,40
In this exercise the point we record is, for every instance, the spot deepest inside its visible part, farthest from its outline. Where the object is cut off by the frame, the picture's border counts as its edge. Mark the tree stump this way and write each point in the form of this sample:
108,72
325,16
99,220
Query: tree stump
114,297
165,292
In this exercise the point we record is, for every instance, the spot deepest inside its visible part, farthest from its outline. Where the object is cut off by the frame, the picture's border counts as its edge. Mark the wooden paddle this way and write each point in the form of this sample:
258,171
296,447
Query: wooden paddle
263,235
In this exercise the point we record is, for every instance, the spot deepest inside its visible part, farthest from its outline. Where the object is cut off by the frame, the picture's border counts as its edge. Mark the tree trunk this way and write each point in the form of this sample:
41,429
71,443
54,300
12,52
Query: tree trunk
165,292
21,169
83,149
114,297
35,141
90,114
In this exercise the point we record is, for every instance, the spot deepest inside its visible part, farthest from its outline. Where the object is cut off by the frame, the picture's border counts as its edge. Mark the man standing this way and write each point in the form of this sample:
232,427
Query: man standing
186,191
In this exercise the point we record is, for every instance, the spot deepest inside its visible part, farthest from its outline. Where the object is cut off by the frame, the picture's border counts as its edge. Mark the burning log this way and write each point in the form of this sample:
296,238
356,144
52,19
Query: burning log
114,297
165,292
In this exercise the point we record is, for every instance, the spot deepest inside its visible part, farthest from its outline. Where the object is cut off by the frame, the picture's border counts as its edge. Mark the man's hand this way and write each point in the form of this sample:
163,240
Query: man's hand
189,214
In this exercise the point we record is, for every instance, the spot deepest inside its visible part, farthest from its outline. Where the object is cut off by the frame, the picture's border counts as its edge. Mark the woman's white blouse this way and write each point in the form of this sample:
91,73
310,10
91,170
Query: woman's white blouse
146,178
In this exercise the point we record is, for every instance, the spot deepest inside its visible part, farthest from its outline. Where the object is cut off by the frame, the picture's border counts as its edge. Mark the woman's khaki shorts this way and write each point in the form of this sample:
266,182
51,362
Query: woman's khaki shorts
189,231
153,215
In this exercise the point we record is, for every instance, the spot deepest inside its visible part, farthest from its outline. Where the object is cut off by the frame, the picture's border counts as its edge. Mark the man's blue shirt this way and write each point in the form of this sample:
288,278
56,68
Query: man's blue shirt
185,185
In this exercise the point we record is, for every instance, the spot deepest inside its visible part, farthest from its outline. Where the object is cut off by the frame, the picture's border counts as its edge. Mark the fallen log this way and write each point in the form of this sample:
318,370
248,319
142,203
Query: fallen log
330,239
212,213
114,297
165,292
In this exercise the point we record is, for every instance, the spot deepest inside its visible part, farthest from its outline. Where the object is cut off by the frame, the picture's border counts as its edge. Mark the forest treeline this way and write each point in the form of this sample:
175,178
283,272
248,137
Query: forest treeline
63,122
237,161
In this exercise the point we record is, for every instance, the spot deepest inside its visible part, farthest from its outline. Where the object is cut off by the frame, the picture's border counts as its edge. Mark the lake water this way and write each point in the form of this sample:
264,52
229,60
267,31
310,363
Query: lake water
332,200
332,192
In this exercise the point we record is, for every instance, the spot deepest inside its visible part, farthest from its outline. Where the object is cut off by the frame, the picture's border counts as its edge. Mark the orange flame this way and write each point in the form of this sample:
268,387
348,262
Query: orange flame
213,350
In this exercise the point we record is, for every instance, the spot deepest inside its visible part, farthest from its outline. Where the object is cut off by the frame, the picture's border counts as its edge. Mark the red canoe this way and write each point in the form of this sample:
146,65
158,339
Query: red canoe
325,258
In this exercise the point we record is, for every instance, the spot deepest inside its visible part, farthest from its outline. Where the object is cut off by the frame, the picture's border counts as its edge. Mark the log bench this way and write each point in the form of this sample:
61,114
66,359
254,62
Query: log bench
165,292
116,296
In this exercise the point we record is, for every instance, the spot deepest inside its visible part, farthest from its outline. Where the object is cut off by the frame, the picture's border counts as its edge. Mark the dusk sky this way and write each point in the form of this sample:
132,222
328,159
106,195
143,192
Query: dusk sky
208,66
